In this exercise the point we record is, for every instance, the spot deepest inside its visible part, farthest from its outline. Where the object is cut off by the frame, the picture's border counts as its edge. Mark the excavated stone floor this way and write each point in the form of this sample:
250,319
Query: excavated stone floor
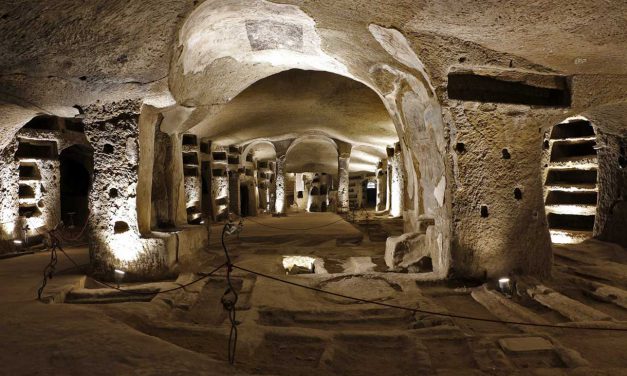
289,330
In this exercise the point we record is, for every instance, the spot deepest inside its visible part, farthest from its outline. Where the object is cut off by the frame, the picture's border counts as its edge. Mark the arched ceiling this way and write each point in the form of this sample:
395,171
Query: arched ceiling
314,154
58,54
297,102
262,151
365,159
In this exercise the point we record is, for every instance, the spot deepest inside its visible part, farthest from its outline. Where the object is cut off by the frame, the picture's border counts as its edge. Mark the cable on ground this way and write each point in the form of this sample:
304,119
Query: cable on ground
230,297
293,229
49,269
416,310
205,276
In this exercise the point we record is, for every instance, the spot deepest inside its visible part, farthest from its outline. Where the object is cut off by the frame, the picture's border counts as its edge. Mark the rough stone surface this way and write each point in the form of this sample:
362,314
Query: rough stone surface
407,249
115,239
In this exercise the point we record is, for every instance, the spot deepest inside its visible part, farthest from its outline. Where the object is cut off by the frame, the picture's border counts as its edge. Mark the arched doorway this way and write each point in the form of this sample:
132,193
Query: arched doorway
370,188
76,165
413,111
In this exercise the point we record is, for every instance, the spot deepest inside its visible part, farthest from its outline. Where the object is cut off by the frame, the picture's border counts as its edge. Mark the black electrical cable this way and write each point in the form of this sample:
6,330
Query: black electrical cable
48,270
293,229
416,310
230,297
76,265
207,275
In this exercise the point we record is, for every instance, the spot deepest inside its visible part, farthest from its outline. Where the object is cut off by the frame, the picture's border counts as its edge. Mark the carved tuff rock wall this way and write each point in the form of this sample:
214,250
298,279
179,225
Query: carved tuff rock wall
31,181
115,241
469,115
612,179
9,183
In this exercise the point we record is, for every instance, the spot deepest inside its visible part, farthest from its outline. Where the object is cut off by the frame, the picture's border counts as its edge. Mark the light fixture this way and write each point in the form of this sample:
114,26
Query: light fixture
17,242
119,276
505,286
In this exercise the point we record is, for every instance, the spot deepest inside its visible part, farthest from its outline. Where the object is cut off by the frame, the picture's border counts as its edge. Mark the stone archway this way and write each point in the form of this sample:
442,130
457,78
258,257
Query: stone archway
253,50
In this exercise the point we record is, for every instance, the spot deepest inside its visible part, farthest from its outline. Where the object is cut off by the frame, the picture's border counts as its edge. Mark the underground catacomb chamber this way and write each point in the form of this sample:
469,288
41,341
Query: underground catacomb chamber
409,159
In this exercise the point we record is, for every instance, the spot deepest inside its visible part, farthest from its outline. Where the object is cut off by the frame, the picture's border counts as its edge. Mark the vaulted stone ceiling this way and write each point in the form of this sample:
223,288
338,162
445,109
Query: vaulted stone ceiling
58,54
296,102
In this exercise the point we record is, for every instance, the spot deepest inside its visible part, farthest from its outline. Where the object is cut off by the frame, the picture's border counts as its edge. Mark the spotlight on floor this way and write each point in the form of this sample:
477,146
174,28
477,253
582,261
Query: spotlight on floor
298,264
505,286
119,276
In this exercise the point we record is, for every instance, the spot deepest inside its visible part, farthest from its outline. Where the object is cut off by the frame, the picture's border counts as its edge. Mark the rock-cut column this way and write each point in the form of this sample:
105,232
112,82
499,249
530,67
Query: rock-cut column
397,184
343,164
280,204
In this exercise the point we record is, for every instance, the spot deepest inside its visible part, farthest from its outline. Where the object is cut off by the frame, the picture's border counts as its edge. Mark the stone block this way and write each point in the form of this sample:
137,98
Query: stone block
516,345
407,249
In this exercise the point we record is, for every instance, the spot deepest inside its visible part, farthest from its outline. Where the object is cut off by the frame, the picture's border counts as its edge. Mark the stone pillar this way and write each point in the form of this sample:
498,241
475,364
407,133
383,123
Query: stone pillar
280,199
382,186
397,184
115,241
148,124
234,192
9,186
176,181
343,163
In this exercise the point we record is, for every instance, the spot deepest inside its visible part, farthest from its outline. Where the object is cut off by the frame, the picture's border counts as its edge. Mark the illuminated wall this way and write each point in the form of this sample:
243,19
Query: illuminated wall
115,241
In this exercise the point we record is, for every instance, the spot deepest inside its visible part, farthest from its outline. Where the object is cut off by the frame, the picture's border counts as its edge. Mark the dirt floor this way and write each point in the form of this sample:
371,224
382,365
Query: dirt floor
288,330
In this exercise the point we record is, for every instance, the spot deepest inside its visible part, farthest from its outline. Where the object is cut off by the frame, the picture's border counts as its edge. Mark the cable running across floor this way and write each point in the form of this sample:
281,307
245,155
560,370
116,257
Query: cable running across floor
417,310
293,229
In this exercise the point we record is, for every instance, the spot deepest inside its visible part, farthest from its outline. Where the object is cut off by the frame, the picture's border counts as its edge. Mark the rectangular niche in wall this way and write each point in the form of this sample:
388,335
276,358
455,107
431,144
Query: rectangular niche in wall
74,125
26,191
573,151
190,140
218,156
572,129
30,149
249,172
190,171
233,160
571,222
262,164
509,86
190,159
568,177
44,123
204,147
29,171
28,211
218,172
